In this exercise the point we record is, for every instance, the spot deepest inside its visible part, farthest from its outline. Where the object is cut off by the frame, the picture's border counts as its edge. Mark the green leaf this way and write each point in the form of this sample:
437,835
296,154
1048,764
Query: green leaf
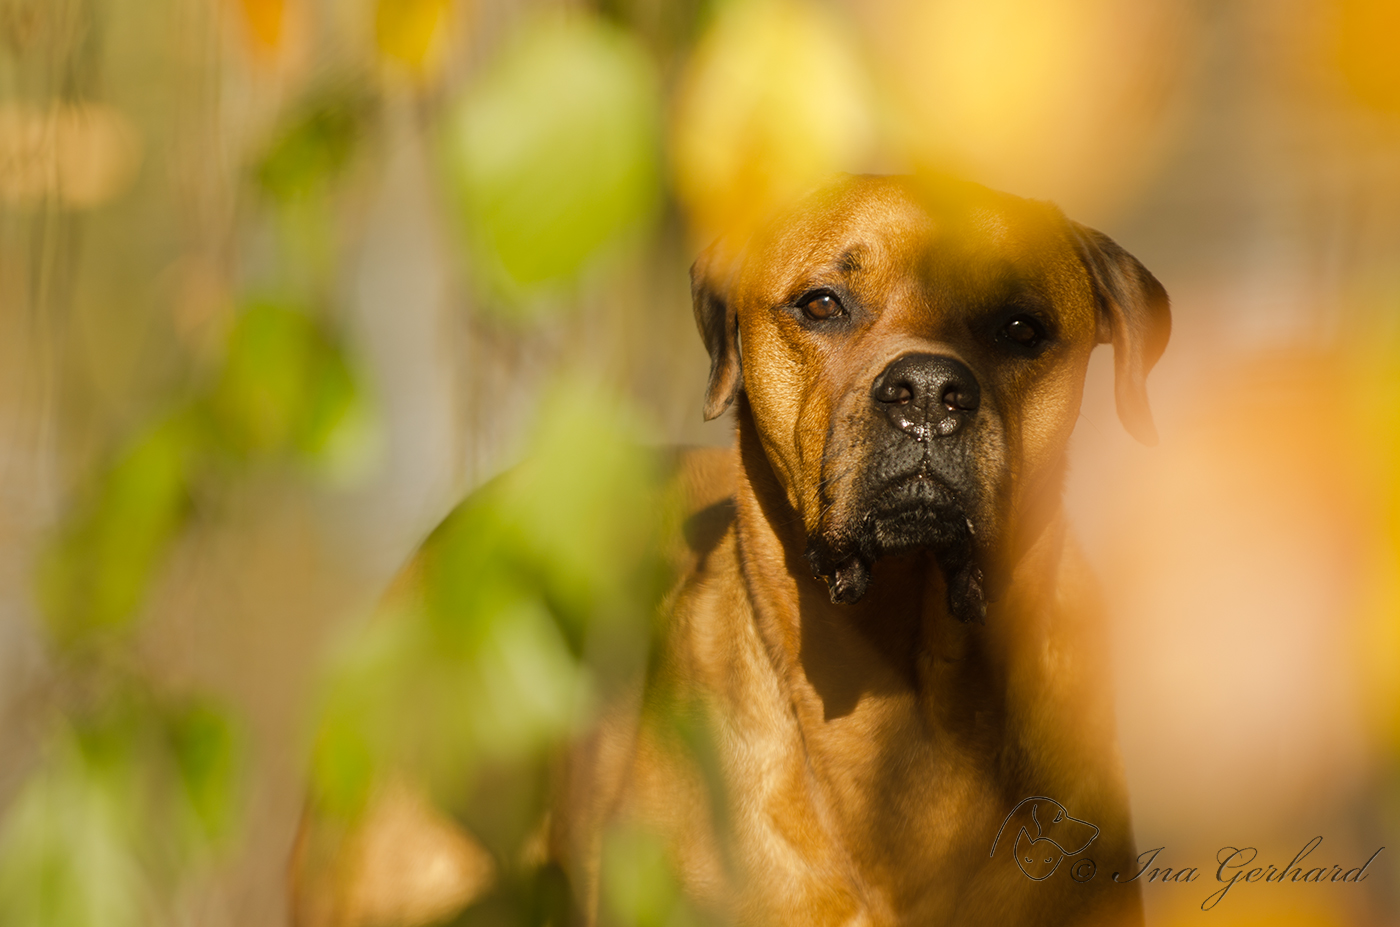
555,149
639,888
67,851
95,575
314,146
361,709
205,751
487,658
583,505
332,397
532,693
285,385
471,573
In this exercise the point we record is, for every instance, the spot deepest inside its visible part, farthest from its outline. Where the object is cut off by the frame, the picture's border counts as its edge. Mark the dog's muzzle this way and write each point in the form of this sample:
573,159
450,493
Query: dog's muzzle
917,483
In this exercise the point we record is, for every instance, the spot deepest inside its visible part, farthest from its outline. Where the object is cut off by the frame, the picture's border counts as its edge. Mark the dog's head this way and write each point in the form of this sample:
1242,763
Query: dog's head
913,355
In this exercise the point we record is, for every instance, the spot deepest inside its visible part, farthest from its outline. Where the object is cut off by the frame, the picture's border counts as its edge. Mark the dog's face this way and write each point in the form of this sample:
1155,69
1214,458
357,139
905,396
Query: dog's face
913,357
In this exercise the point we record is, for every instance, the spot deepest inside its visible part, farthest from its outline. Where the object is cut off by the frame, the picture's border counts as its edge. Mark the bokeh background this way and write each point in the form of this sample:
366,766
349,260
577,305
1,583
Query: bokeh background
281,281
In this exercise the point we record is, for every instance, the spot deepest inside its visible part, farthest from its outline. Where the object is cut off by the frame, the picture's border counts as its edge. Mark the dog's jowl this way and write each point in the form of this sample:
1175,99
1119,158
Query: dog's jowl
885,616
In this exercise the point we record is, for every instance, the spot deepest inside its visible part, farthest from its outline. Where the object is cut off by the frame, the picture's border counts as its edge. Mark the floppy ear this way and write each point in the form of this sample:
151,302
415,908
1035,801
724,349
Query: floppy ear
1135,315
710,278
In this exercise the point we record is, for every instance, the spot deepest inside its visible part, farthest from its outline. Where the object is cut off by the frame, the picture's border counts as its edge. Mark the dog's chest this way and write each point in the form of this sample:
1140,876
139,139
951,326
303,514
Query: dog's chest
872,811
881,815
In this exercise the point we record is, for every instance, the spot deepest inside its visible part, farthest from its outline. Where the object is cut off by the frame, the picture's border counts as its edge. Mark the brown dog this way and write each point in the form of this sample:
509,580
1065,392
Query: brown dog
884,614
906,363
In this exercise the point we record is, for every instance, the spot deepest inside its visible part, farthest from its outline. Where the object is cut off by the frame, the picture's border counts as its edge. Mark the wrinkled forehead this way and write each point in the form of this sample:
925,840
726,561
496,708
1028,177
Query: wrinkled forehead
955,238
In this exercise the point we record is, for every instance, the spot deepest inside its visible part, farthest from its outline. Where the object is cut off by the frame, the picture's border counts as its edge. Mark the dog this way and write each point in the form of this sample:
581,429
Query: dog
895,641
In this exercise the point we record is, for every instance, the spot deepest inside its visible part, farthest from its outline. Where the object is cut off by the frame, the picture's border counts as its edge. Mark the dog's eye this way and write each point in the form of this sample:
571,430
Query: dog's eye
821,305
1023,331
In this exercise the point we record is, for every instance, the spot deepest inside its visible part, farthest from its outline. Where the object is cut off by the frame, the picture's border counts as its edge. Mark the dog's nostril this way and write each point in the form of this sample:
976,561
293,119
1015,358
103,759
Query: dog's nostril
895,393
954,399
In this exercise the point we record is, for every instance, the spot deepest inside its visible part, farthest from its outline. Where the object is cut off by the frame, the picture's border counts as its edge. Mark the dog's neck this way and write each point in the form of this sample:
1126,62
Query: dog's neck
890,642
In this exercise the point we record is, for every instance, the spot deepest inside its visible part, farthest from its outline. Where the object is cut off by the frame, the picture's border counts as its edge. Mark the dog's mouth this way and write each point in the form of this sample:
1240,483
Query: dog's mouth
914,513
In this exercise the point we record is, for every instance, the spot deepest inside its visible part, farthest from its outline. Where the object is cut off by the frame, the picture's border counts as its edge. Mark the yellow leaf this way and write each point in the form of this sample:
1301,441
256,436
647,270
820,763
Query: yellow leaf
1067,99
408,30
774,100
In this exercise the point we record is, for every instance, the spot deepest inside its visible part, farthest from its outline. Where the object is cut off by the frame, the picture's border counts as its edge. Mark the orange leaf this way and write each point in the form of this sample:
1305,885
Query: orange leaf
265,20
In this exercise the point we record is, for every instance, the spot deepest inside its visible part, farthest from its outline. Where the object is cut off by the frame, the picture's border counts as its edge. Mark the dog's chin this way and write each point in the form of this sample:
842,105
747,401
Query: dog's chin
916,515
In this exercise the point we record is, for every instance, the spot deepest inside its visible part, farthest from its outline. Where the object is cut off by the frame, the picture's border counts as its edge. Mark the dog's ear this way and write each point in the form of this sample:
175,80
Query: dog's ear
1134,314
710,279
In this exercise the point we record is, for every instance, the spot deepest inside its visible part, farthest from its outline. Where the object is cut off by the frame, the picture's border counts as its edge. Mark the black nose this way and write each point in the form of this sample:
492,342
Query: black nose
926,395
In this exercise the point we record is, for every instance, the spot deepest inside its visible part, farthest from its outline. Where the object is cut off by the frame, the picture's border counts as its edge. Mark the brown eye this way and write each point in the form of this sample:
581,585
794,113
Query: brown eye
821,306
1023,331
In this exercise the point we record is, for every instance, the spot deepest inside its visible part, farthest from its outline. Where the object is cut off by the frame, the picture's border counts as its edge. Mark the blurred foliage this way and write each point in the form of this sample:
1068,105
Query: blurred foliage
67,855
1365,51
204,746
529,601
536,597
136,786
773,100
529,608
1376,414
265,20
313,148
125,800
285,389
406,30
638,888
285,385
94,577
554,150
